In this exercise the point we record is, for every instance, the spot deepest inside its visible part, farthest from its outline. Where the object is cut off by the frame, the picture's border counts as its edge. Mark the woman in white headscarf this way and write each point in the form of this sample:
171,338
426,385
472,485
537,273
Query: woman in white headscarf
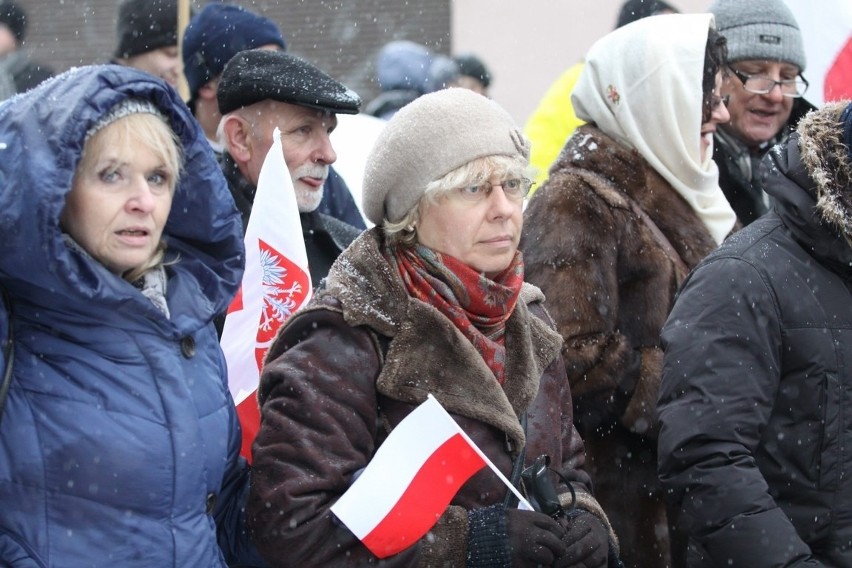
631,204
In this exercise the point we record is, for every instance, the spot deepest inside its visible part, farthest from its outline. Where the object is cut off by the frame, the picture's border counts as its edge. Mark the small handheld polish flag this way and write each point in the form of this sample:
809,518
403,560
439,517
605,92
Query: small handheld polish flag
411,480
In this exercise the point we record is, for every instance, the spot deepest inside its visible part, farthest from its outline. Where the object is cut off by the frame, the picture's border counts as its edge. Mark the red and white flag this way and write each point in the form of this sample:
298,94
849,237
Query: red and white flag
275,284
827,35
410,481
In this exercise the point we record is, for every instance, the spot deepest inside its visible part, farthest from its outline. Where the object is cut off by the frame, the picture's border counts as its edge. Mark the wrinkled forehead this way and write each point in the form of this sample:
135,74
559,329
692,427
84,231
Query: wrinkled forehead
276,112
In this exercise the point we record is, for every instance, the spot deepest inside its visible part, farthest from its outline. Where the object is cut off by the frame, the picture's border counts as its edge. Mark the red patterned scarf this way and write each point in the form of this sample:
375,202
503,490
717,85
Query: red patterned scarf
477,305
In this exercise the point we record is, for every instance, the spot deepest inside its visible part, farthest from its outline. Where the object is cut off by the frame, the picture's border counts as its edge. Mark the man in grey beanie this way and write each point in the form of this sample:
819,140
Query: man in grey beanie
764,89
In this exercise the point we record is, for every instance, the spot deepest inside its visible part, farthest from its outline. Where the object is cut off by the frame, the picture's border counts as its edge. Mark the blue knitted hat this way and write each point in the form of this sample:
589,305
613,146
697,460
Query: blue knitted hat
217,34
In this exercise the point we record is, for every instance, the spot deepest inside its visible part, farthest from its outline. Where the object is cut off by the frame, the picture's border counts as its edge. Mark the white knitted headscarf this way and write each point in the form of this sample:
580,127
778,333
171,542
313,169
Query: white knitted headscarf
642,85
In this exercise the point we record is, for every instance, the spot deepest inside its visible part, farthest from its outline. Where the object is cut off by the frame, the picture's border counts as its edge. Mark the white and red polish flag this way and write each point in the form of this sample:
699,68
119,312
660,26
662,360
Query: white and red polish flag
410,481
275,284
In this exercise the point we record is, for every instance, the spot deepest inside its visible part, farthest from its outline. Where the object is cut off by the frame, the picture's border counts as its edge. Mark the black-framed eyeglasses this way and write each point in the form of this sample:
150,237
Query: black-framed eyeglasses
515,188
763,85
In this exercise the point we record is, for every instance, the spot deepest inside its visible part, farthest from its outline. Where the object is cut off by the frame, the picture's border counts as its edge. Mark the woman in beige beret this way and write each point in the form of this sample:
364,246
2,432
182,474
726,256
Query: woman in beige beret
432,300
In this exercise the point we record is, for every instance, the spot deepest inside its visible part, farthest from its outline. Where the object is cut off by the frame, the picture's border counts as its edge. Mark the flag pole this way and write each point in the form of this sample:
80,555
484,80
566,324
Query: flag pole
183,8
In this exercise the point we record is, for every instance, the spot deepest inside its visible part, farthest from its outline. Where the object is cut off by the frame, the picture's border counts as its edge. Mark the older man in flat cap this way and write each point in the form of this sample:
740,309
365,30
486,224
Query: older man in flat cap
260,90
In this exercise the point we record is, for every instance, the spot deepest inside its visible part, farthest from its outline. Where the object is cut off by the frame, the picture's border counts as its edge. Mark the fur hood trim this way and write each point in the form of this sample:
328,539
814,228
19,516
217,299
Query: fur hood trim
827,159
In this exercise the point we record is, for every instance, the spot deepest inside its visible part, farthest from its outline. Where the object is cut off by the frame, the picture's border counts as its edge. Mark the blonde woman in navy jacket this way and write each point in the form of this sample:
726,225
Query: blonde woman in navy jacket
119,242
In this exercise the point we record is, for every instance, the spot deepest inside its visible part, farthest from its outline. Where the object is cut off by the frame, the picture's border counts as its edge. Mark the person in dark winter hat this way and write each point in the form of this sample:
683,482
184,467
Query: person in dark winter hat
431,301
260,90
18,72
14,19
215,35
764,89
755,421
147,38
473,74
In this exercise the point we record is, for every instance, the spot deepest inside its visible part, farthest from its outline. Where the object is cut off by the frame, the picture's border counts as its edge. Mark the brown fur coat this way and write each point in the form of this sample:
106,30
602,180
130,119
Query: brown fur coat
610,285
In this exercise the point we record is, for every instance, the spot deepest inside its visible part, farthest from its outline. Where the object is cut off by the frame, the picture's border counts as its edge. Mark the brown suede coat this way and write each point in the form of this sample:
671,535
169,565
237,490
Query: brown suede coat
609,285
329,397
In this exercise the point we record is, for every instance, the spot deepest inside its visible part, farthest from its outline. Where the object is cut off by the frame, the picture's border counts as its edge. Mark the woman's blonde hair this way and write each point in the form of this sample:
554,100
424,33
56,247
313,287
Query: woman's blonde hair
130,131
404,231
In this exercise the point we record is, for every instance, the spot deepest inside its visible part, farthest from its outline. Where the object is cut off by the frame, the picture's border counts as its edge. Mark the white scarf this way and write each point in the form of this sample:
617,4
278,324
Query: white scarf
642,85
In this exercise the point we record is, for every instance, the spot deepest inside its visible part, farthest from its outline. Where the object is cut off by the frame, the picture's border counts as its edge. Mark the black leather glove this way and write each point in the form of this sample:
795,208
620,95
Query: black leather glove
586,542
534,538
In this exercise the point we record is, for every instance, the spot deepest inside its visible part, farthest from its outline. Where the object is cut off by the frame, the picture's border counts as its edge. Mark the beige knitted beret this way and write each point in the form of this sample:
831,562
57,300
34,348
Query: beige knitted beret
429,138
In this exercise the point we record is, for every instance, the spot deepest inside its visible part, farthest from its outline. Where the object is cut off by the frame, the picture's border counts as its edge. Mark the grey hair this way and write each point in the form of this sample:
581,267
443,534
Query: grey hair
404,231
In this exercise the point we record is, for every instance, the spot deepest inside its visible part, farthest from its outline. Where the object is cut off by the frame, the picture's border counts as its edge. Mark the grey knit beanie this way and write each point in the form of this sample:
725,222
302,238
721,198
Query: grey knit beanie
429,138
122,109
759,29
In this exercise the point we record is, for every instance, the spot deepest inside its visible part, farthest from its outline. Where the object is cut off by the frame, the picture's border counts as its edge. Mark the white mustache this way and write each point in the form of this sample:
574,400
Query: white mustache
311,170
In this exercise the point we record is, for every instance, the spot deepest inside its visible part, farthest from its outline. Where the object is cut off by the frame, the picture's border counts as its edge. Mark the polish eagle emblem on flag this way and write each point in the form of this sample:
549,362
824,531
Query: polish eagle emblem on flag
285,288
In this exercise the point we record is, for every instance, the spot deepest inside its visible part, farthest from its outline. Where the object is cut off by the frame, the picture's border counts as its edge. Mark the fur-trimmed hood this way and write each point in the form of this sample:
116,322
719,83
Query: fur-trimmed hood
827,159
811,178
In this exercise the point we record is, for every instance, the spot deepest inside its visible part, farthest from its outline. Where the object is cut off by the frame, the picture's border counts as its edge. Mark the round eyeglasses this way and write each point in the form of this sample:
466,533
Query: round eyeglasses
515,188
763,85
